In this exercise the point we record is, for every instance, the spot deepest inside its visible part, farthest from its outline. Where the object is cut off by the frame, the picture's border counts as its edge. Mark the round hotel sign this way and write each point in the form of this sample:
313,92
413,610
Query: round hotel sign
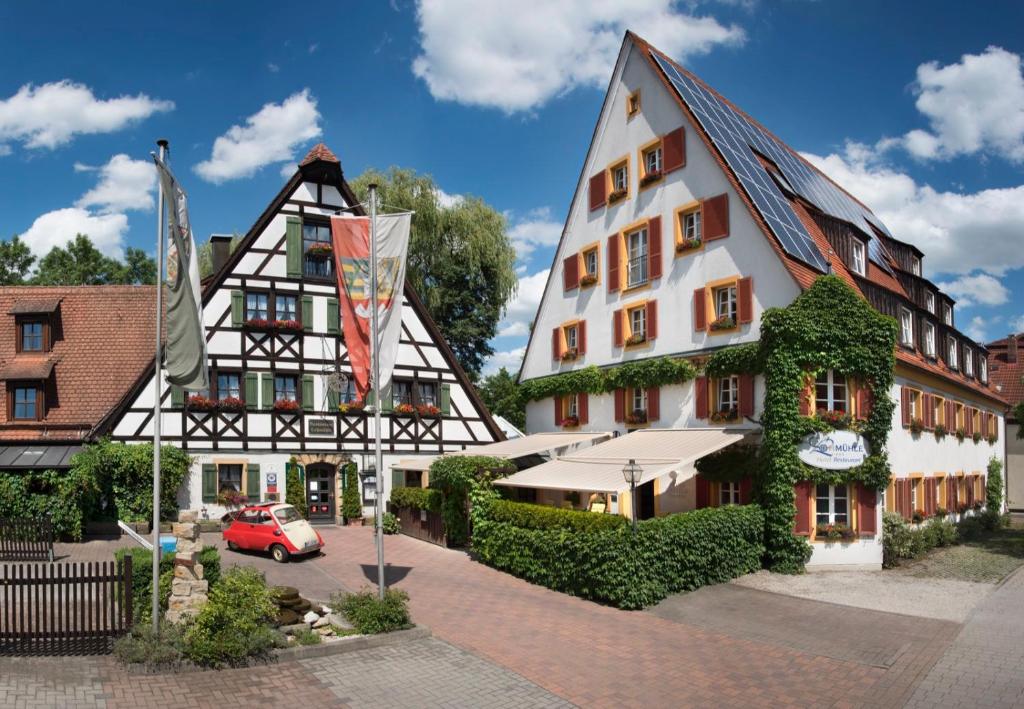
835,450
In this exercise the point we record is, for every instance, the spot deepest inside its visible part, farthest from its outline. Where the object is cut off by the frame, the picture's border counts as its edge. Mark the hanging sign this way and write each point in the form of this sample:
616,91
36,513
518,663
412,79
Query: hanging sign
835,450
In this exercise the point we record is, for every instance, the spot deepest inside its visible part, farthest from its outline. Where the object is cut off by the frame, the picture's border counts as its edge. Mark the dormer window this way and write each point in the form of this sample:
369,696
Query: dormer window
859,261
316,249
929,302
929,338
968,361
952,359
26,403
906,328
983,367
32,339
947,314
915,265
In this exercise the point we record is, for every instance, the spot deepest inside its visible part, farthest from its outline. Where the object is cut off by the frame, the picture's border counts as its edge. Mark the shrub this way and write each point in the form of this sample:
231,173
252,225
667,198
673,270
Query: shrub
390,524
235,624
142,576
528,516
454,476
418,498
294,494
994,485
305,636
351,504
142,646
369,614
943,531
67,498
901,541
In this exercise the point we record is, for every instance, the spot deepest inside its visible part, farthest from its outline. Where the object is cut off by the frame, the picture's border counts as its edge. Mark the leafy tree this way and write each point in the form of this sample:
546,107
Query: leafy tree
139,268
461,261
15,261
80,263
1018,413
500,393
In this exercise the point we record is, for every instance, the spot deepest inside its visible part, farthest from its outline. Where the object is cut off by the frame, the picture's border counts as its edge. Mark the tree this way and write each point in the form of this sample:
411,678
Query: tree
500,393
139,268
80,263
461,261
15,261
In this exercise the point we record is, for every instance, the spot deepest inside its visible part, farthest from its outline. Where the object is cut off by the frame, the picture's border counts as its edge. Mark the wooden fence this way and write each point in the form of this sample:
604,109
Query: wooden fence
26,540
64,608
421,524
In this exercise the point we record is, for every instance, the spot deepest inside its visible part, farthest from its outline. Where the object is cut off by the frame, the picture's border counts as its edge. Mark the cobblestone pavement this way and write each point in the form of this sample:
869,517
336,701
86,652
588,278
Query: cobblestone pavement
985,664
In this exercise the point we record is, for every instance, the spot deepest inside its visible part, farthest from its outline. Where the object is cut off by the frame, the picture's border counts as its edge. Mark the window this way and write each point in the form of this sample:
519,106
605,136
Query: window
915,265
968,361
913,494
638,399
983,366
725,303
929,302
638,323
652,160
401,392
728,395
32,336
229,385
952,360
633,104
729,493
285,387
830,392
285,307
572,406
590,262
915,404
947,313
859,263
620,178
256,306
315,264
229,478
906,327
929,338
689,226
427,392
636,243
26,404
832,504
960,421
938,410
350,394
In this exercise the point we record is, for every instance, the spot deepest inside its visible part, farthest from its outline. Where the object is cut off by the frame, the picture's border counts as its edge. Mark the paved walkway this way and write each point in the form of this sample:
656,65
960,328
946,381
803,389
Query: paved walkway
985,664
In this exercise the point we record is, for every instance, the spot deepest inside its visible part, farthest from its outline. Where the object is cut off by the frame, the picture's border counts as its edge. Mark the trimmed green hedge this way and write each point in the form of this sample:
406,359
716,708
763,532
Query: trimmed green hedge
527,516
418,498
679,552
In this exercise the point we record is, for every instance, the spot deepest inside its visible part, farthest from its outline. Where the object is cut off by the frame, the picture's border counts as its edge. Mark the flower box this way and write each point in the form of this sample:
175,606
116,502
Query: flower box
724,416
258,324
838,420
197,402
616,195
638,416
723,323
570,355
287,325
651,177
570,421
688,245
961,434
918,516
352,407
428,410
637,338
992,439
232,498
287,406
916,426
261,324
231,404
588,279
941,512
835,532
976,437
319,250
405,409
940,432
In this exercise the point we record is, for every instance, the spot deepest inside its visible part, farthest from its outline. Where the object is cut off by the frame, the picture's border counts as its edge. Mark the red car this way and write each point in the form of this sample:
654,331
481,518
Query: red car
274,527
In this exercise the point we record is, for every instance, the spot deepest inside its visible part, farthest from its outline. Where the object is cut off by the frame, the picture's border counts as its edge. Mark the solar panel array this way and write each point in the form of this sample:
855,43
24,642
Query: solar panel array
737,138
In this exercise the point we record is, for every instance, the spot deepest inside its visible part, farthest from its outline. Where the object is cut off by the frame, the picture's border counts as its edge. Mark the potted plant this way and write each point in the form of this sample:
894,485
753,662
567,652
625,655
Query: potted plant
288,406
992,439
351,407
229,497
637,416
428,410
916,426
616,195
198,402
588,279
835,532
961,434
570,421
940,432
319,250
287,325
570,354
231,404
652,176
405,409
723,323
688,245
976,437
637,338
723,416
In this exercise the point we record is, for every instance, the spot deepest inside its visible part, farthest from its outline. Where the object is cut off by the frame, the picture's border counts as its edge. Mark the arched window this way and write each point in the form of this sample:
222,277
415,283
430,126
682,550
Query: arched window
830,393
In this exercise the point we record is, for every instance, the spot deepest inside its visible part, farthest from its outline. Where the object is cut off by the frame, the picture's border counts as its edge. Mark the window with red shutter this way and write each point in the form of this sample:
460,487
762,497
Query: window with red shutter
620,405
556,343
583,407
905,405
654,248
746,391
598,186
700,397
926,403
715,212
581,337
571,272
674,150
745,295
613,263
700,311
653,404
867,520
802,521
617,336
652,319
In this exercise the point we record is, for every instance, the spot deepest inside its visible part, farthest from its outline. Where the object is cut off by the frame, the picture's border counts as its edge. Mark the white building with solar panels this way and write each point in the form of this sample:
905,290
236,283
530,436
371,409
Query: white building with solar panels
688,221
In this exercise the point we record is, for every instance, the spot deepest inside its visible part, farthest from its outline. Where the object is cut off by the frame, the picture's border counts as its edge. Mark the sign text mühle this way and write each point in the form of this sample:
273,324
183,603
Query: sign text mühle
834,450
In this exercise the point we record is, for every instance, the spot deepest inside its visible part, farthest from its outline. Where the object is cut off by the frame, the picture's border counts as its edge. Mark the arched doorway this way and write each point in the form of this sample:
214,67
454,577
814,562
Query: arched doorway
320,492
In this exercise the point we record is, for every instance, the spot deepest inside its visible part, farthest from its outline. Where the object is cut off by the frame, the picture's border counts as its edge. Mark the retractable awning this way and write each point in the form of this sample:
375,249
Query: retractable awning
39,457
513,448
599,468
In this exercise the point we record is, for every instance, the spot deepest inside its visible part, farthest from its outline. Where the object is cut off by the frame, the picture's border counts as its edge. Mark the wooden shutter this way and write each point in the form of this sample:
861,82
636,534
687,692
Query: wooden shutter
252,391
307,312
177,396
863,400
802,522
969,420
620,405
308,400
746,490
293,247
252,482
571,272
700,310
746,393
950,416
268,390
806,396
558,410
237,308
446,399
745,296
581,337
700,397
926,418
905,405
653,404
583,407
333,316
613,263
908,503
867,521
333,399
715,214
397,479
617,338
652,319
654,248
984,423
556,343
703,492
387,401
598,186
209,482
673,150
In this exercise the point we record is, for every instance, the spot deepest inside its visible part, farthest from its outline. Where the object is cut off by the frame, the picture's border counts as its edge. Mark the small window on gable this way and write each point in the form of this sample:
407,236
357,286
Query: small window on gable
633,104
724,299
401,392
859,259
618,180
968,361
316,250
229,386
32,336
637,321
256,306
689,232
637,266
947,314
286,387
426,394
591,265
906,328
285,307
572,341
727,399
915,265
651,163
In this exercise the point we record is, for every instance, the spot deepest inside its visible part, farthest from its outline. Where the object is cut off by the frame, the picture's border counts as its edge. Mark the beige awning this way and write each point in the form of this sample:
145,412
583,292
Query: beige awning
599,468
514,447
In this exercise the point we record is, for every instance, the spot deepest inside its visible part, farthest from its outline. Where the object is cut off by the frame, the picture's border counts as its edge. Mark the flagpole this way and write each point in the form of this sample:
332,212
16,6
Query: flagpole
375,360
157,377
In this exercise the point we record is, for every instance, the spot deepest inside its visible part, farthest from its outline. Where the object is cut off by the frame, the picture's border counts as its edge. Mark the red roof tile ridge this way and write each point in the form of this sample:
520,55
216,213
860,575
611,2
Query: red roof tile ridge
319,152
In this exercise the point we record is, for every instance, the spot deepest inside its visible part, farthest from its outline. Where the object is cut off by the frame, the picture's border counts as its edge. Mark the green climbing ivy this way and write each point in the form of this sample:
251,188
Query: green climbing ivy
645,373
829,326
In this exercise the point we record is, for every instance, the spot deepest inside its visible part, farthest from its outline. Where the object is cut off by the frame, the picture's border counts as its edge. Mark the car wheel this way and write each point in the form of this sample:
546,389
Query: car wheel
232,546
279,553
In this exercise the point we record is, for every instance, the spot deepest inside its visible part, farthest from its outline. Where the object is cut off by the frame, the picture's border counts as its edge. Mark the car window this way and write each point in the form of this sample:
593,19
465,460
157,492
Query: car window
249,516
265,518
287,514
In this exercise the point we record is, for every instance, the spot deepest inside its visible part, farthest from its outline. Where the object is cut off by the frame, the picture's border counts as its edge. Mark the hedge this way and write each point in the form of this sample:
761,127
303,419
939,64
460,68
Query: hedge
527,516
680,552
142,575
418,498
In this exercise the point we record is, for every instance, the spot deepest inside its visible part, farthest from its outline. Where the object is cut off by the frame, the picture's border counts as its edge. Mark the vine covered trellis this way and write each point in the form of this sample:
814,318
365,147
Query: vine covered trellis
829,326
656,372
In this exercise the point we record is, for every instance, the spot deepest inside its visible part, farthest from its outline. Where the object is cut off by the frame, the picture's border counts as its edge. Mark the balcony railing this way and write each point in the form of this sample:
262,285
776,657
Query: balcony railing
637,271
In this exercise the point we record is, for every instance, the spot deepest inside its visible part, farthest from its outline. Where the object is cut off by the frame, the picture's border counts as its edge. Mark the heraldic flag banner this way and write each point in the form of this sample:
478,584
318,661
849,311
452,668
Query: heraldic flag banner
185,350
351,242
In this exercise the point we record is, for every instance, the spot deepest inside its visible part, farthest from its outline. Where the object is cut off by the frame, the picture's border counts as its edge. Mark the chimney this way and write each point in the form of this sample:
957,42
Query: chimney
221,249
1011,348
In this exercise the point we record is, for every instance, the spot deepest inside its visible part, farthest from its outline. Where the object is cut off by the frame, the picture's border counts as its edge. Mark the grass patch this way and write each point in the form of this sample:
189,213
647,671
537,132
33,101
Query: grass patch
986,558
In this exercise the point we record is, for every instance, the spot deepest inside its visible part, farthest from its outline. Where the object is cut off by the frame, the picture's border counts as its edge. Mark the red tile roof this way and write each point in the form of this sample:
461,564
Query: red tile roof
319,152
103,339
1007,376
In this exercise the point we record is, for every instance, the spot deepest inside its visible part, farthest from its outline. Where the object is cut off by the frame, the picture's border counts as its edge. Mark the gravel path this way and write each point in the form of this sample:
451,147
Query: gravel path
890,591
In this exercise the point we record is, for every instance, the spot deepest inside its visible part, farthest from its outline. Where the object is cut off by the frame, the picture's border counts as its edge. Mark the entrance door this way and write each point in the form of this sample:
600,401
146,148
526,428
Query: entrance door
320,492
645,500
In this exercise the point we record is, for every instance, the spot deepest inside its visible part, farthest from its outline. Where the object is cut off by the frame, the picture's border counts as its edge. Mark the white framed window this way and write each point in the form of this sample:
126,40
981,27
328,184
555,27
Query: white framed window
590,262
572,337
906,327
728,395
929,338
860,264
691,226
572,408
638,321
915,411
983,366
929,302
652,160
952,360
639,399
725,303
913,495
830,392
915,265
968,361
620,177
636,243
832,504
947,313
729,493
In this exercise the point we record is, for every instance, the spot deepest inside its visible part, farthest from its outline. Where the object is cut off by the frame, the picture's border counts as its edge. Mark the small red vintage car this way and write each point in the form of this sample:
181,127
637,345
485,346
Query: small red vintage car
274,527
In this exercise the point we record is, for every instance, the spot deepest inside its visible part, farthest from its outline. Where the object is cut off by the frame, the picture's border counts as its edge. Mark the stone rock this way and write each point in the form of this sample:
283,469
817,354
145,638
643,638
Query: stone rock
189,558
323,622
185,530
192,602
184,587
340,621
323,632
186,546
292,629
311,617
325,609
188,515
194,573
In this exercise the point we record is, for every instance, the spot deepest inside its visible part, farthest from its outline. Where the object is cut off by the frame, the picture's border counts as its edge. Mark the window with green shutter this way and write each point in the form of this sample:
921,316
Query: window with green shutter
307,312
333,316
386,401
293,247
237,308
209,482
177,397
333,400
446,399
252,391
308,400
252,482
267,380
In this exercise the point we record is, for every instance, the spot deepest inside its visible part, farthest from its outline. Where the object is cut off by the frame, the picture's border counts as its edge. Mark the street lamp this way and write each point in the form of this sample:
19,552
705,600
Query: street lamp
632,472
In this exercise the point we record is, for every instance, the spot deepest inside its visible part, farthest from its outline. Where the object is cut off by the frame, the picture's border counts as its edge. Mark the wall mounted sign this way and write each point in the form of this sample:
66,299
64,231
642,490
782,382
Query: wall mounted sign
320,427
835,450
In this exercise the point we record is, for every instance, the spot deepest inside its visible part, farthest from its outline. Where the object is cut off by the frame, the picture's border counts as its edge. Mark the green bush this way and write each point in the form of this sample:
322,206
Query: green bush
390,524
901,541
235,624
418,498
351,504
142,646
994,485
294,493
68,498
668,554
455,476
305,636
369,614
142,576
528,516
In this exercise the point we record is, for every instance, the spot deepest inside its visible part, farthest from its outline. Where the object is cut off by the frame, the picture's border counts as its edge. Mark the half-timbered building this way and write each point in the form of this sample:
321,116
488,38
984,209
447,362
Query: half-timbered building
280,394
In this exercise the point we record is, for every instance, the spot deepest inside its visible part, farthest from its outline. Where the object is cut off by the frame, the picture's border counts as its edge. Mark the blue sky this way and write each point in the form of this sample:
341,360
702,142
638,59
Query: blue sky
916,107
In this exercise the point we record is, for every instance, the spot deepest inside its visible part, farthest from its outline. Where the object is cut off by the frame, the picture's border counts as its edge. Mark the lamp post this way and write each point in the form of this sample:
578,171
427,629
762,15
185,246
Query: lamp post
632,472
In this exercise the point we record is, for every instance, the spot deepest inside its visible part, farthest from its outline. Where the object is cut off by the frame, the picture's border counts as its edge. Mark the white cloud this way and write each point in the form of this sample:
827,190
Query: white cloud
959,232
979,288
124,184
517,56
448,200
523,307
977,328
510,359
58,227
269,136
1017,324
975,105
51,115
514,329
273,68
536,229
313,47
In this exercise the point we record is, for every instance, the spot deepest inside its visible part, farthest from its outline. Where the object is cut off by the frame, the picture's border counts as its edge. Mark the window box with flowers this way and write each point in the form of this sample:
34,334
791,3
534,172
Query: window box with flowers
918,516
636,417
616,195
428,410
835,532
992,439
351,407
570,354
976,437
725,416
651,177
231,498
570,421
198,402
231,404
961,434
723,323
319,250
838,420
916,426
588,279
293,325
688,245
941,512
405,409
287,406
940,432
637,338
262,324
